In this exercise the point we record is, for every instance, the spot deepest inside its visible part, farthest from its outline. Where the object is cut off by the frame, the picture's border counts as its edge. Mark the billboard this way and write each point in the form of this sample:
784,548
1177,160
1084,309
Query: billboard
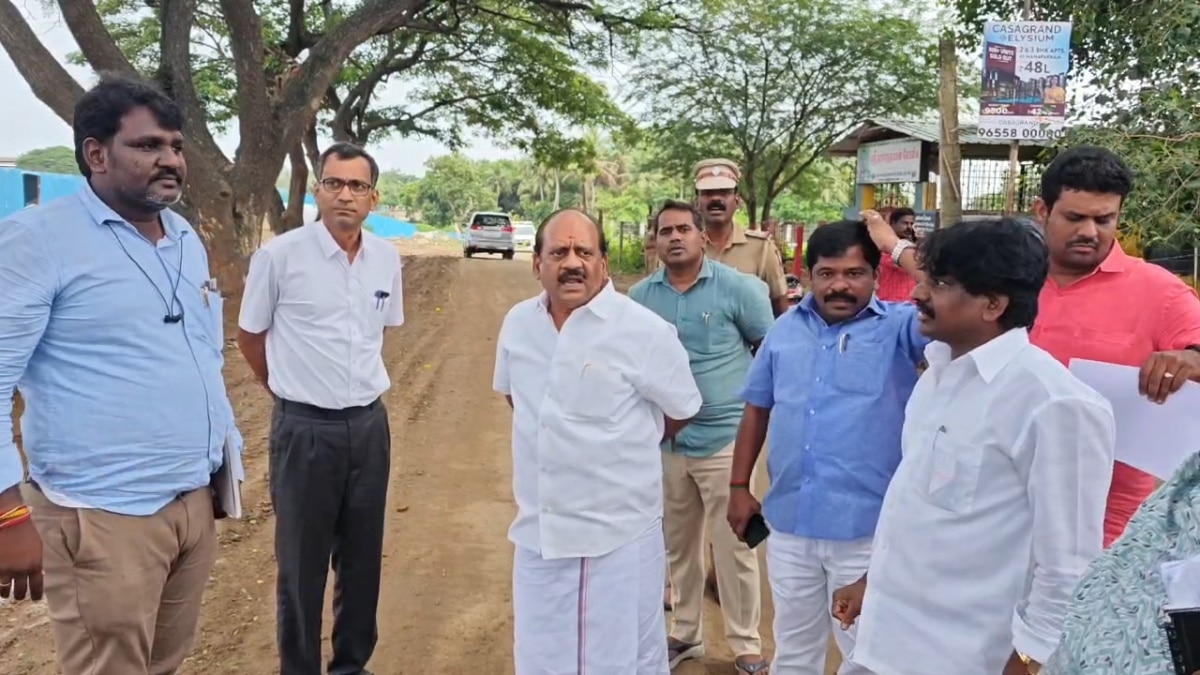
1025,70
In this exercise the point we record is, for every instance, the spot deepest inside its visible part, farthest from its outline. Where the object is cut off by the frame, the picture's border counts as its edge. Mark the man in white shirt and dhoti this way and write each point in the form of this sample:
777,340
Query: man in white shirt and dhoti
997,506
596,382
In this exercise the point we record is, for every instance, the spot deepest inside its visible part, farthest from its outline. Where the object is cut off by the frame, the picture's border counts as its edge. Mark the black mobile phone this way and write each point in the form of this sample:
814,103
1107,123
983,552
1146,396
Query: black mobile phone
1183,638
756,530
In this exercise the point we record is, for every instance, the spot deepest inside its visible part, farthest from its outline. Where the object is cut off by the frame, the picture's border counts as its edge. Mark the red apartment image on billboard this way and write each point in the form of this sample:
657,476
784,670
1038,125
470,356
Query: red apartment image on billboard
1001,58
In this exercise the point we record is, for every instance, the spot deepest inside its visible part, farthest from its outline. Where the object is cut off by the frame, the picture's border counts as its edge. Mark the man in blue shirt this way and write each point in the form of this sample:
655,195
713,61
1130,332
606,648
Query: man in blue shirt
720,315
111,330
829,384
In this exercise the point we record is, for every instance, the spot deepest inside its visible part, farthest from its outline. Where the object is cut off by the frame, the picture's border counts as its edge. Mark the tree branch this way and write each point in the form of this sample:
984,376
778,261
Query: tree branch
48,79
175,75
298,38
94,41
354,108
255,125
302,95
408,120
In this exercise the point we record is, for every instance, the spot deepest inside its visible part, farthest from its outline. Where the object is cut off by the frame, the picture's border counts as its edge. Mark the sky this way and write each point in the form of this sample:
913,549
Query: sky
29,124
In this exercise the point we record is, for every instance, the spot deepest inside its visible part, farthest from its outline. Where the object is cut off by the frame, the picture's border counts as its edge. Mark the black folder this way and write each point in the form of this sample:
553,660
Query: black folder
1183,636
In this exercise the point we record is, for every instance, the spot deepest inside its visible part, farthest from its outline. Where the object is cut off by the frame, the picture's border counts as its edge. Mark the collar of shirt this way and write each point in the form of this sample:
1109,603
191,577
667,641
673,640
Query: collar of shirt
660,275
602,305
808,305
329,245
174,226
989,358
736,236
1116,260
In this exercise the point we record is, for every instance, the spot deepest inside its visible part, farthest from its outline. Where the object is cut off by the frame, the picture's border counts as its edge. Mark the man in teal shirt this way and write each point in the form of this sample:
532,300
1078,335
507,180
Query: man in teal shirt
720,315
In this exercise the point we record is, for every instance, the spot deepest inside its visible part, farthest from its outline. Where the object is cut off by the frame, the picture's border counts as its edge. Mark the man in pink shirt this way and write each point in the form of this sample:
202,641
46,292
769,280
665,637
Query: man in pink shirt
895,285
1101,304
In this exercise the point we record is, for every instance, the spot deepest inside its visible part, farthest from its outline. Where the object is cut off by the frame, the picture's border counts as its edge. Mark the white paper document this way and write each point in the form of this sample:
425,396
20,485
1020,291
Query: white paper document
227,482
1182,581
1153,437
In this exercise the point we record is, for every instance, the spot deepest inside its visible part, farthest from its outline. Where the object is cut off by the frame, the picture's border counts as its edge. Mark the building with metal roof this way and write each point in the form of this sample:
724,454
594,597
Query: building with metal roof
898,163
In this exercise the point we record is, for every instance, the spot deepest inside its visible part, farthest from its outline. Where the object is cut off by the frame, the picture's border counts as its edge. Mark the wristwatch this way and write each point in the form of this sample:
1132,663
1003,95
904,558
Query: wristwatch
900,247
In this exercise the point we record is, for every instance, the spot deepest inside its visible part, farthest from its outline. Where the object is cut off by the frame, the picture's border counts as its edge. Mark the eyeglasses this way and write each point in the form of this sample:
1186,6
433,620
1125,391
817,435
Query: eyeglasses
336,185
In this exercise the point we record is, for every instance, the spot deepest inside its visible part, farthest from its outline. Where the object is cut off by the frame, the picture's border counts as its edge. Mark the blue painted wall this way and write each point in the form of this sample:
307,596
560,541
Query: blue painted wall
50,186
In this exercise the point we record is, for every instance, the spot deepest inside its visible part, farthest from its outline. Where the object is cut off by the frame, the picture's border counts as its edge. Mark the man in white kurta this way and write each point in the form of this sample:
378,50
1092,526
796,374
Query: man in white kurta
997,506
595,382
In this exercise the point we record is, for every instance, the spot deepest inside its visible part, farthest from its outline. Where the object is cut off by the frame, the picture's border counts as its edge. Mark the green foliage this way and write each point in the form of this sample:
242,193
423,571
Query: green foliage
625,257
57,159
773,84
1140,64
513,70
398,190
452,188
620,185
136,28
1164,207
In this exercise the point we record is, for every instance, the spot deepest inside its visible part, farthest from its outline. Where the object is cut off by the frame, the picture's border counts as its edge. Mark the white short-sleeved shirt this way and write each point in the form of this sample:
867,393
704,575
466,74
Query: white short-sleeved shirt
588,416
993,515
324,316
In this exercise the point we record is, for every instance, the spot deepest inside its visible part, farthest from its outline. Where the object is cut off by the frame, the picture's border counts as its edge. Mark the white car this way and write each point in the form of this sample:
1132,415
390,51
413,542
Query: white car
523,234
489,233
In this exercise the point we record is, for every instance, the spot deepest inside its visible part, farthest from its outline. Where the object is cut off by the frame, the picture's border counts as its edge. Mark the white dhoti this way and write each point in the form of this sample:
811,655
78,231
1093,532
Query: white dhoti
591,616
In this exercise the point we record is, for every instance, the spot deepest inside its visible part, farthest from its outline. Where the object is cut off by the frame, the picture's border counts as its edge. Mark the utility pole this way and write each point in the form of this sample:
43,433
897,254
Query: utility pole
949,149
1014,147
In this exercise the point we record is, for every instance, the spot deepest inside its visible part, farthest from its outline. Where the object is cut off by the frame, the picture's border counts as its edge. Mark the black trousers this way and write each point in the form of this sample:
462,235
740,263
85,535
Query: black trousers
329,472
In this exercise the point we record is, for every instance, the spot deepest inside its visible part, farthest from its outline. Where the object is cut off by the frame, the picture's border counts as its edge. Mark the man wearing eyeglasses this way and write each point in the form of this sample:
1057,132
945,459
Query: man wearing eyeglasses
316,303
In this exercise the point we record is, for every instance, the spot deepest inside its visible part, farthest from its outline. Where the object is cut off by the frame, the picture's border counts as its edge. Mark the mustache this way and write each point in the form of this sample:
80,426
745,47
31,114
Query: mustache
572,275
715,204
1083,242
926,310
840,296
168,173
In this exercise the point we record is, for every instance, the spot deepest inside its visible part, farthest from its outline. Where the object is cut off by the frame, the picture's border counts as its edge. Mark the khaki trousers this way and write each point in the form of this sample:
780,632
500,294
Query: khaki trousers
124,591
696,498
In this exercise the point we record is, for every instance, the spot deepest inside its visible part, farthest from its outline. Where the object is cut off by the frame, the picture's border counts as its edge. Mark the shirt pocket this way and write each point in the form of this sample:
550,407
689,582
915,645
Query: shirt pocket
205,319
374,305
951,476
1081,342
696,332
859,368
597,392
793,370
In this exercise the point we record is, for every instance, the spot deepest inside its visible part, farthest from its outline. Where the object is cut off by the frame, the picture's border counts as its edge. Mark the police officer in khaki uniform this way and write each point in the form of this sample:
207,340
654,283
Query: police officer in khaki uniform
748,251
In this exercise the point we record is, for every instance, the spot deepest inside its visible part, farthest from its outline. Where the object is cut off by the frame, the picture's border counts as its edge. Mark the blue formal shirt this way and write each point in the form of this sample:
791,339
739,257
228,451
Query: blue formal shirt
837,396
123,411
716,319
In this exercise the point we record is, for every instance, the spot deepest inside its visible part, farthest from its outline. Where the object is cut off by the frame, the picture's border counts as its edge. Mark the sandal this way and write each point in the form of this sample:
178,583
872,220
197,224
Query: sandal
679,651
758,668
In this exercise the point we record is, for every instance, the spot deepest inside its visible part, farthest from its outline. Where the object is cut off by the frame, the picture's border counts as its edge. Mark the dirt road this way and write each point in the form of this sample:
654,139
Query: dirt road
445,606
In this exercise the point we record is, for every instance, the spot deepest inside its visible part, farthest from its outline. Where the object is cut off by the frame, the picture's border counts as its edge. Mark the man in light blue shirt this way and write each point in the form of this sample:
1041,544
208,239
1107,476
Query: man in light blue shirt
720,315
111,330
830,384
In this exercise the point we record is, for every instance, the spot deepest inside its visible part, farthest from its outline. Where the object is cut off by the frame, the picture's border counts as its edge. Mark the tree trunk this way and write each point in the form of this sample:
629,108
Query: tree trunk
228,202
230,220
949,150
292,215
